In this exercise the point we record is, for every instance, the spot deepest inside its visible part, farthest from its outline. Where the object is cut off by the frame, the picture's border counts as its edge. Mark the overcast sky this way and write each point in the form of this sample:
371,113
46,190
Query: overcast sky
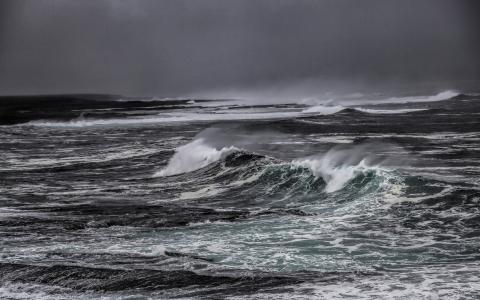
174,47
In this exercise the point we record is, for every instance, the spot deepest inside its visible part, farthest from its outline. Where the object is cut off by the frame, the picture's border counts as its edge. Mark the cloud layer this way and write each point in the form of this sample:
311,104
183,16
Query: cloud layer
173,47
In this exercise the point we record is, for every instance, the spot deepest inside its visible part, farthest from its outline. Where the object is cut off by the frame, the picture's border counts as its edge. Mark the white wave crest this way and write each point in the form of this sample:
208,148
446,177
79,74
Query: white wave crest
337,167
166,118
389,111
438,97
193,156
336,177
324,109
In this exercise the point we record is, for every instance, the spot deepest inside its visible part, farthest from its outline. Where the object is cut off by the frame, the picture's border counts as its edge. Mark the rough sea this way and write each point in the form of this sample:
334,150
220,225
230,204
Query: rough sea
104,197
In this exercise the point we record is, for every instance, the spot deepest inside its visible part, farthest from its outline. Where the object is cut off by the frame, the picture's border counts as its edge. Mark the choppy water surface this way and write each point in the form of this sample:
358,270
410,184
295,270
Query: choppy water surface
222,200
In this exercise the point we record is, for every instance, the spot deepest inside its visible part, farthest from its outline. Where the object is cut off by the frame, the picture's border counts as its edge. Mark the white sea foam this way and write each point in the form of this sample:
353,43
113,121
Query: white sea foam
430,98
324,109
345,100
208,191
169,118
389,111
339,166
437,281
332,106
336,177
18,163
329,109
158,250
396,193
193,156
336,167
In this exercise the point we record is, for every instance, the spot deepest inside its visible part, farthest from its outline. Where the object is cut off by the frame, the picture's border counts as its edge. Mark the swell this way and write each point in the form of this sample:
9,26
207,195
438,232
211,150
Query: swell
234,178
230,177
348,162
82,278
97,215
78,111
451,215
86,162
108,119
23,109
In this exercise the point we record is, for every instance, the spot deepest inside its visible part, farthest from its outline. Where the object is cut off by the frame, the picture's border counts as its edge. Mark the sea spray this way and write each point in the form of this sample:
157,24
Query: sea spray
324,109
193,156
340,165
337,167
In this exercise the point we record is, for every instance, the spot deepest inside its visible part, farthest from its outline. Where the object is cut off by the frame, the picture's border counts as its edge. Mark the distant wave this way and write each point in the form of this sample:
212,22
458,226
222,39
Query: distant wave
166,118
329,110
445,95
218,116
389,111
224,114
324,109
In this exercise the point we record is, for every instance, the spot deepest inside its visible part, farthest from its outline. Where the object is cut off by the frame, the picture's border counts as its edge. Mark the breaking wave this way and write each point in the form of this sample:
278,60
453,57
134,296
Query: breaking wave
193,156
329,172
329,110
166,118
336,177
389,111
445,95
324,109
226,114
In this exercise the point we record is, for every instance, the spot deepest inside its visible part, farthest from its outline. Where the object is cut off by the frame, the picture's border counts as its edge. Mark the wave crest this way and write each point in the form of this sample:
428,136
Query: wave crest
324,109
338,167
193,156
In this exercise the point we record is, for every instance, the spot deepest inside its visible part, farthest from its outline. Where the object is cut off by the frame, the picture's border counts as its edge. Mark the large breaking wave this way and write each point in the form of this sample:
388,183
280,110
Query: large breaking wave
229,167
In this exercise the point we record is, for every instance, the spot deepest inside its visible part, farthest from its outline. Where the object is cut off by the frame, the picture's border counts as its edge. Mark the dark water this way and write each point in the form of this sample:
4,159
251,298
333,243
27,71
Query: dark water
101,199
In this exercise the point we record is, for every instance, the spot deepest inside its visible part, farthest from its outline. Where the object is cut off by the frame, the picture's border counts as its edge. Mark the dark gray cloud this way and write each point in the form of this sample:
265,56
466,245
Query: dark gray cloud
170,47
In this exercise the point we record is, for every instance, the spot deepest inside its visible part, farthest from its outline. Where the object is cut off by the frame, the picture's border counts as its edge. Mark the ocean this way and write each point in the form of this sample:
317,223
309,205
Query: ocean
110,197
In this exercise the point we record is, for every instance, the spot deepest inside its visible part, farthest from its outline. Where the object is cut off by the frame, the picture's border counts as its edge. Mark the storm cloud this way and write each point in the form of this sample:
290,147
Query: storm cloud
174,47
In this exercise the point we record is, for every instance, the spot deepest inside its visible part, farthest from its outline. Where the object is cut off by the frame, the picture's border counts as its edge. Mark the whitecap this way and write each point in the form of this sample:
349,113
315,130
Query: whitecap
389,111
193,156
324,109
448,94
338,166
